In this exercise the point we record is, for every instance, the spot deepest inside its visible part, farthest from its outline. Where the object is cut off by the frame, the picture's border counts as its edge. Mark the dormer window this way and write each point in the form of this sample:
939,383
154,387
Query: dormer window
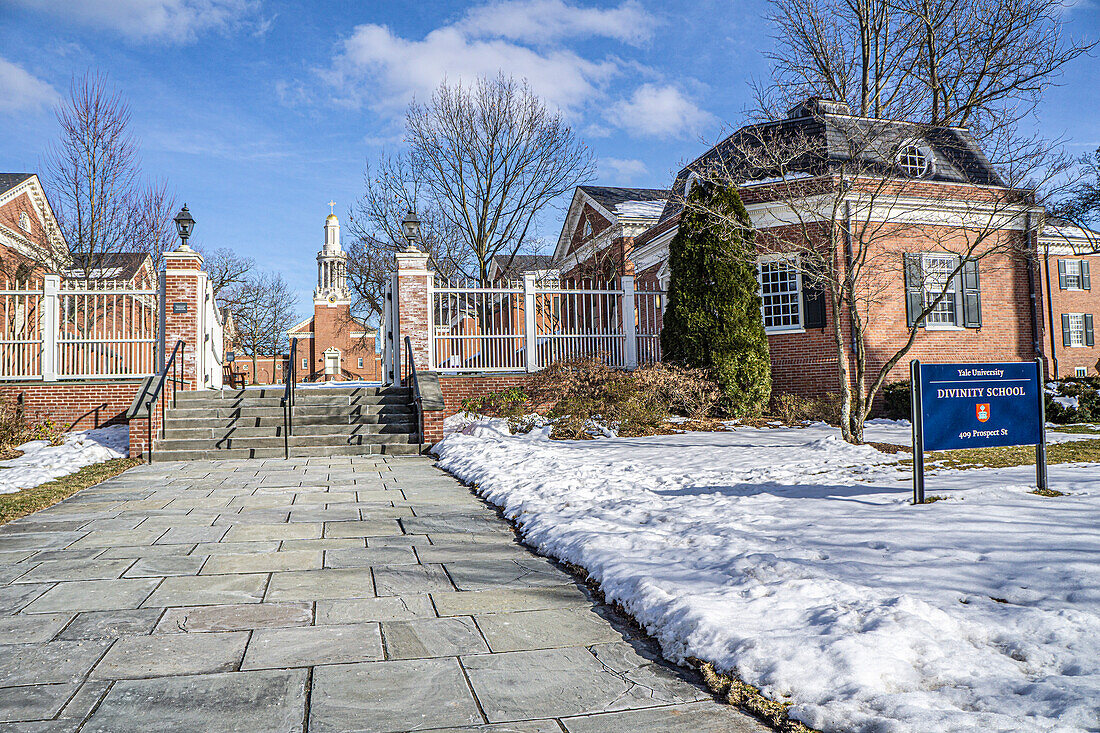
692,178
586,228
24,221
915,161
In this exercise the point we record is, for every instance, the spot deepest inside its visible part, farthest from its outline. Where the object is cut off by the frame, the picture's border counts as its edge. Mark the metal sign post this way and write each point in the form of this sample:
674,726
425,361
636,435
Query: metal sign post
918,431
1041,446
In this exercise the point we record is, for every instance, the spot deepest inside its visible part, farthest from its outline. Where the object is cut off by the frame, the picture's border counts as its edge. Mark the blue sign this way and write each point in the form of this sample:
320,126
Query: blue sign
980,405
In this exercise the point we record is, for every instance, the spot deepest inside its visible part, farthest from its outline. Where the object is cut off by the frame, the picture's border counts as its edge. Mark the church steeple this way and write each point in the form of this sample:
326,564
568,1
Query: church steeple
332,281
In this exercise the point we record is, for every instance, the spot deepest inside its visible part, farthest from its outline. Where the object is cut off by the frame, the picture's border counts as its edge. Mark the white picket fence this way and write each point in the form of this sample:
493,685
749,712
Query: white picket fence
527,325
75,329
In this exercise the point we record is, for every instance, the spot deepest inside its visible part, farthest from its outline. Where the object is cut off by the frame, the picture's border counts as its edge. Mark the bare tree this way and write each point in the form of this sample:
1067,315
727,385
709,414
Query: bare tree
155,230
492,157
980,64
848,223
265,311
227,271
93,172
391,189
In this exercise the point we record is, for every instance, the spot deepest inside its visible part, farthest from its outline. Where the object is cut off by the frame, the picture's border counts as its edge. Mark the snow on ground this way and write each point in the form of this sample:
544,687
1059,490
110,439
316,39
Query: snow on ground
796,561
42,462
881,430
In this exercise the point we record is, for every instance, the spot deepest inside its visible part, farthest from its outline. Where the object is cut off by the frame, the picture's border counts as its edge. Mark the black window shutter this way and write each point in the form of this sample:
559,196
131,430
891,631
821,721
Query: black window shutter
813,298
1085,280
1061,274
1065,330
1088,330
914,277
972,295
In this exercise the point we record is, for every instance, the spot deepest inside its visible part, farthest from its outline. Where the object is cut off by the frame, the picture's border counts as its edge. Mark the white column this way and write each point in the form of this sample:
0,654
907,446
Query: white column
529,322
630,323
51,285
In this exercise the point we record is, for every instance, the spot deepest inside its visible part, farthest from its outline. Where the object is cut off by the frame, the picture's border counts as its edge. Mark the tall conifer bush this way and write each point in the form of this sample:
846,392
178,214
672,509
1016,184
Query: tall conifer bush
713,320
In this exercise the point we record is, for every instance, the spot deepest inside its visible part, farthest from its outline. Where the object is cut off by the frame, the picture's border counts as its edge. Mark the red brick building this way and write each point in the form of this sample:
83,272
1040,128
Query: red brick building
333,345
30,238
941,191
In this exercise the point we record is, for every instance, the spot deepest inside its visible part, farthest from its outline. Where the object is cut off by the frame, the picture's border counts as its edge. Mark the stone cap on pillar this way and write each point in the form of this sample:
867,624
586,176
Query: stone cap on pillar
182,259
412,260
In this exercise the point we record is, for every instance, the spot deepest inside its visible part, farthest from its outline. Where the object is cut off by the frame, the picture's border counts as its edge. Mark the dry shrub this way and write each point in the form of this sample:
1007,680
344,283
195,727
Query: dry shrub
15,430
580,394
794,409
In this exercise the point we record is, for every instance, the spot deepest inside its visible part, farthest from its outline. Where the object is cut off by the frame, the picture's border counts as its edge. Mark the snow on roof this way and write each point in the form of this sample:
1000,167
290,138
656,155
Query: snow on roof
640,209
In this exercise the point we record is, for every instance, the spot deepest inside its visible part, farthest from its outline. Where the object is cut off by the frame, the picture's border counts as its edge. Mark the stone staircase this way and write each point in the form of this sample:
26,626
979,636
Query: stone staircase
328,421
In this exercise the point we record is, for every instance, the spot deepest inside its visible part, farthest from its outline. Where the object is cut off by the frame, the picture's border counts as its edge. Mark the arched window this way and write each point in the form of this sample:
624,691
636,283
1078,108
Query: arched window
692,178
24,221
915,161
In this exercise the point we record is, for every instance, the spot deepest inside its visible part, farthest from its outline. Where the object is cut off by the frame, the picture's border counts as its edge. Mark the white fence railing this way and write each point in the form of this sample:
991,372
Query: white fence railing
526,326
76,329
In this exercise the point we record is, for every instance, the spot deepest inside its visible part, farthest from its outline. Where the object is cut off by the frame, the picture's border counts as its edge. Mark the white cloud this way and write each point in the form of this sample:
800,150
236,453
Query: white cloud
622,170
544,21
173,21
21,91
659,111
387,71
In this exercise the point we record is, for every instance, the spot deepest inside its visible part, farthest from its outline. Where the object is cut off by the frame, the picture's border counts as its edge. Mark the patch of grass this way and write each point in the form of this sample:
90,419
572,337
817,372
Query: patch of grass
1047,492
1078,429
1076,451
933,499
28,501
743,695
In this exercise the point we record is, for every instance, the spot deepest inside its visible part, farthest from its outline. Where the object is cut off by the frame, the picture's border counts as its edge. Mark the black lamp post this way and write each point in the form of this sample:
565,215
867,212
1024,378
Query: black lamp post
411,227
184,226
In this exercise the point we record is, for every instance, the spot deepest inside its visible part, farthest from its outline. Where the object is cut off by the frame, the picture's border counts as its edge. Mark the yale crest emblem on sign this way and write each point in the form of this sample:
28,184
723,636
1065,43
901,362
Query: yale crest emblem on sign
983,411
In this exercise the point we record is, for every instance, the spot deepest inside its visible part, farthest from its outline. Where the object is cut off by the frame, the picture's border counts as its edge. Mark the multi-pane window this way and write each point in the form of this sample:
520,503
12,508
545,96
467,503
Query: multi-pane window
24,221
914,162
1076,329
779,294
939,277
305,363
1073,274
360,362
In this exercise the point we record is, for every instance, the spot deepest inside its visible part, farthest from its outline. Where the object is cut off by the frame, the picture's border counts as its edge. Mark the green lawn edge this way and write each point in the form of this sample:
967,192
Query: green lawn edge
27,501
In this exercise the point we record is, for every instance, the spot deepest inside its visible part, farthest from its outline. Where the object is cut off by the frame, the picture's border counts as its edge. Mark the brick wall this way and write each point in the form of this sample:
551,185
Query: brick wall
91,404
457,388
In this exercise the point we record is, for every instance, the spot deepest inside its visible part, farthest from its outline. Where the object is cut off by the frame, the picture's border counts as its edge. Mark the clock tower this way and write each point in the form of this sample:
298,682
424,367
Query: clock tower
332,276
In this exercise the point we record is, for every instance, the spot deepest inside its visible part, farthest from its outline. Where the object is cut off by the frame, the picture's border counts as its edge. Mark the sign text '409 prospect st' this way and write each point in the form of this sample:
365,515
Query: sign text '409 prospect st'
980,405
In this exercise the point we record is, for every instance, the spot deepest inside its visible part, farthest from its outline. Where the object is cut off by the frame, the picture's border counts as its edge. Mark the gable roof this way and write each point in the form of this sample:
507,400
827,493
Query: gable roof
835,138
108,265
9,181
521,264
614,203
609,196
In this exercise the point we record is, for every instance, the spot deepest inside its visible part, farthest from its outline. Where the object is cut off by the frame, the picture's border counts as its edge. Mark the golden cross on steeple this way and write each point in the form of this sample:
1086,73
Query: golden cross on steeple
330,205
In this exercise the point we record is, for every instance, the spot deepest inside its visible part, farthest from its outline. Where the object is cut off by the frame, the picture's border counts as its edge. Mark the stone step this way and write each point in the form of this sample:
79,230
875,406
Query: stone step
303,411
345,422
385,449
271,441
198,429
348,401
277,391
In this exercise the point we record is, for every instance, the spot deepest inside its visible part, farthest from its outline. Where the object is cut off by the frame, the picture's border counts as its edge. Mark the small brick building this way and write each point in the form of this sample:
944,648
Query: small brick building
1031,297
332,344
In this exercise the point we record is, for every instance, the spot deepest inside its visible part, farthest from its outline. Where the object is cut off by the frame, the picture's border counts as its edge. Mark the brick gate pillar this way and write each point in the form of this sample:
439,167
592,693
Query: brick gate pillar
183,279
411,300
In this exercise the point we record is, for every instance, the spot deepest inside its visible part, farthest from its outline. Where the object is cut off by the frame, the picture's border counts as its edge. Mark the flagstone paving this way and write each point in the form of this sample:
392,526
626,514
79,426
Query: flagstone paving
369,594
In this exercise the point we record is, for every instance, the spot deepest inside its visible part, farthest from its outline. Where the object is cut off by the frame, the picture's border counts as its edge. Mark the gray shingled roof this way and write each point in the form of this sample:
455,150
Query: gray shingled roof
9,181
522,263
124,264
609,197
872,144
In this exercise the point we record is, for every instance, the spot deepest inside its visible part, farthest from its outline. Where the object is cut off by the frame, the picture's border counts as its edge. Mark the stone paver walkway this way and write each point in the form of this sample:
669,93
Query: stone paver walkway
335,594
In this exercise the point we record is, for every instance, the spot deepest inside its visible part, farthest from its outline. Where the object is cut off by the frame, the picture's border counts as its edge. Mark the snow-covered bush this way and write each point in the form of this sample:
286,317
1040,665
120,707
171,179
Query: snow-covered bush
1073,400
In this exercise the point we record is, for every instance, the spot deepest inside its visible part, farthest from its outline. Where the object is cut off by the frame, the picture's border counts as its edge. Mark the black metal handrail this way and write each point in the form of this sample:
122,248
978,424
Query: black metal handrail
410,371
287,403
176,369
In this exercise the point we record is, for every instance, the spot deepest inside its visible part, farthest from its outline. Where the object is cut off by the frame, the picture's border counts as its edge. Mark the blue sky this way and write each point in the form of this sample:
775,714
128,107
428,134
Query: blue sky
258,112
